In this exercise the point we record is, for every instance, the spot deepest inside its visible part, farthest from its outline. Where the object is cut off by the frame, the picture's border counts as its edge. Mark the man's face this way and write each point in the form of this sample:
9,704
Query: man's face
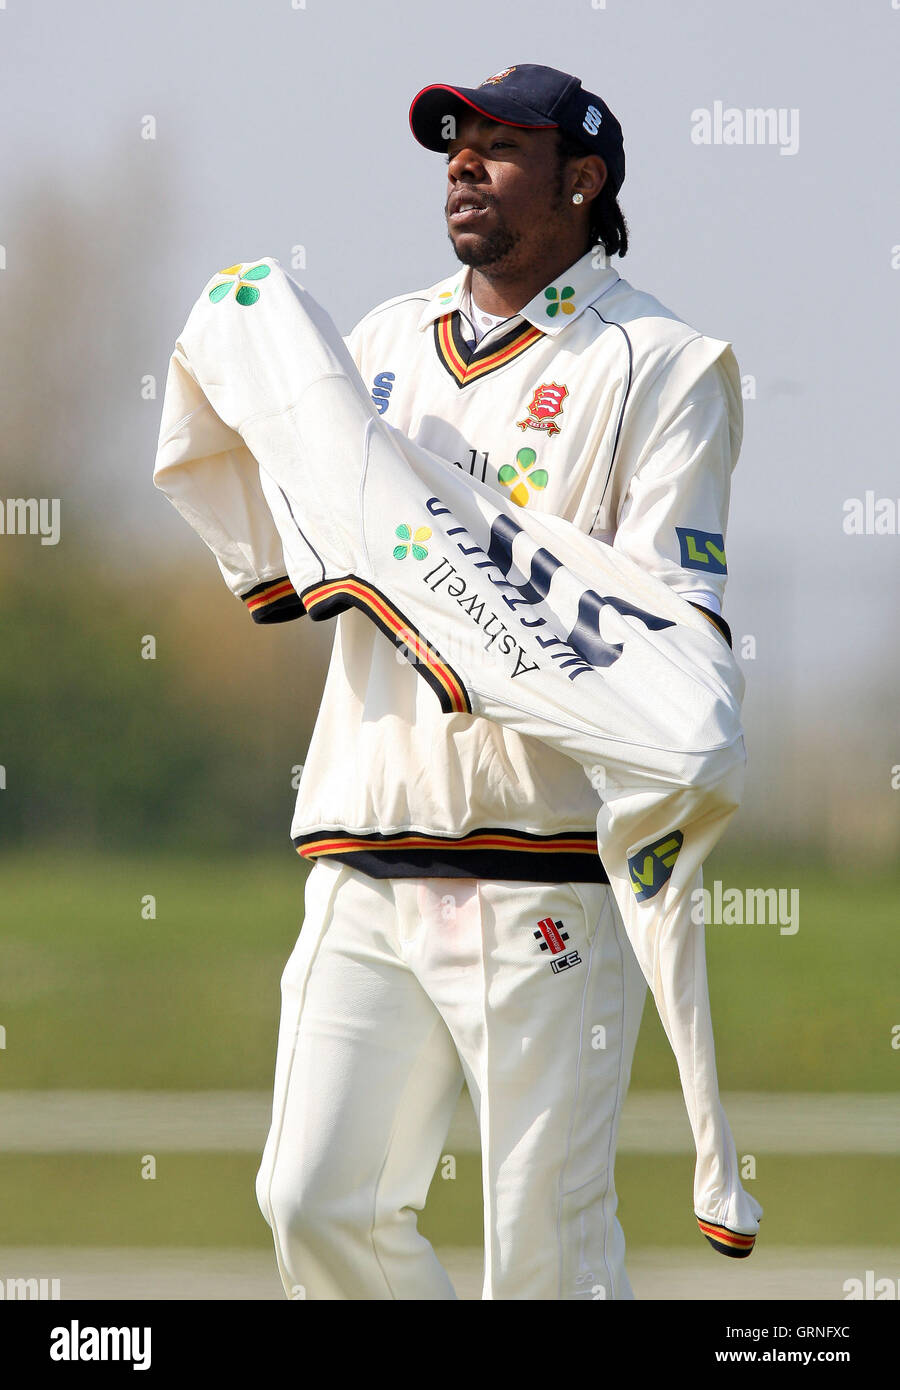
511,176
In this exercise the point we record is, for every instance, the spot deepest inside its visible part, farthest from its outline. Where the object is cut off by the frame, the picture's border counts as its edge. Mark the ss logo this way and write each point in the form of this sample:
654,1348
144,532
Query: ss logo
592,119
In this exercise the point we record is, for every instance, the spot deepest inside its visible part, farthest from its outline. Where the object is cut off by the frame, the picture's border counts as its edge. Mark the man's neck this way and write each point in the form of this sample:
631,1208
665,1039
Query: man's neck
507,294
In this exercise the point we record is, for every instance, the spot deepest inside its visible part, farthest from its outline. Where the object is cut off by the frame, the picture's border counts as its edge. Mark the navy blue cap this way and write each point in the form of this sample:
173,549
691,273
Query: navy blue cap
531,96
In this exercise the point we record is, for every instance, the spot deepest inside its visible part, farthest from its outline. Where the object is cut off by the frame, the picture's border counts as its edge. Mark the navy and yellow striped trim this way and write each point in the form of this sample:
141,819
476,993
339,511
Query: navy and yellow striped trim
320,843
273,601
466,366
336,595
734,1243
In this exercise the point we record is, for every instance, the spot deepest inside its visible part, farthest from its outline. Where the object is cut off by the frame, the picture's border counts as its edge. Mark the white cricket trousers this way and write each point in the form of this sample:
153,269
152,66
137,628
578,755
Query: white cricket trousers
521,618
397,990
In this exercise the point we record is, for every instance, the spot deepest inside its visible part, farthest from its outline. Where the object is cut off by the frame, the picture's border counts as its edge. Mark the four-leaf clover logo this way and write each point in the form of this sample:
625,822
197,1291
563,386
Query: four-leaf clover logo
412,542
523,475
244,293
559,299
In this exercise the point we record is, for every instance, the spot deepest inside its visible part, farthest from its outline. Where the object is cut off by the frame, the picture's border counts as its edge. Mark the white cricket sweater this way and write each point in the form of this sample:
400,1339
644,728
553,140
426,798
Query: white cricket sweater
594,403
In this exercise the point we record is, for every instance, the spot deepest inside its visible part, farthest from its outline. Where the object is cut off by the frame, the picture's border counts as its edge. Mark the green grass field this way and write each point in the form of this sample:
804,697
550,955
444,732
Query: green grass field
208,1200
95,996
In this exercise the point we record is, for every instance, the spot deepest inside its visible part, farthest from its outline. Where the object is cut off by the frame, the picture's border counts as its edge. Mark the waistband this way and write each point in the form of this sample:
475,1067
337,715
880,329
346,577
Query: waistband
567,857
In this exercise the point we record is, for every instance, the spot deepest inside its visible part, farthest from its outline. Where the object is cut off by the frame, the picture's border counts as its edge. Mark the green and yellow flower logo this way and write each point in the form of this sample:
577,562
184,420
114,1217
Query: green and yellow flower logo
412,541
559,299
244,292
523,475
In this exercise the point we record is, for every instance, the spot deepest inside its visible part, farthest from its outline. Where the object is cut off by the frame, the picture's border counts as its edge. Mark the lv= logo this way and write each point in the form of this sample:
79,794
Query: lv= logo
652,866
702,550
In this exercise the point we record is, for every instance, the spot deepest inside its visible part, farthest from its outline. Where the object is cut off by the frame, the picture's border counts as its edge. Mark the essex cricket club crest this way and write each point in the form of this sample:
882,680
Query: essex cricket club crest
497,77
546,404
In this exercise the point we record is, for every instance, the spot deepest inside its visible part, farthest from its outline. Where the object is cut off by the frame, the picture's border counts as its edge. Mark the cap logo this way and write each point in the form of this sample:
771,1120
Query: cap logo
592,119
497,77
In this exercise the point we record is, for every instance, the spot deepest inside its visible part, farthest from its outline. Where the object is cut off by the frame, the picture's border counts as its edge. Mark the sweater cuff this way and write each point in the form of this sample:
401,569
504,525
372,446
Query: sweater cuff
737,1244
273,601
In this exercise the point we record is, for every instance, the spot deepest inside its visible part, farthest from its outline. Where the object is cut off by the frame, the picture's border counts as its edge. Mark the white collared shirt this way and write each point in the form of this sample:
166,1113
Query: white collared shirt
476,322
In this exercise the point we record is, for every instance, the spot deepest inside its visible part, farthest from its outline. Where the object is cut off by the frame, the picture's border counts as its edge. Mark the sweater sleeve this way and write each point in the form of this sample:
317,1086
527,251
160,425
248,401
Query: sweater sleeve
213,480
679,447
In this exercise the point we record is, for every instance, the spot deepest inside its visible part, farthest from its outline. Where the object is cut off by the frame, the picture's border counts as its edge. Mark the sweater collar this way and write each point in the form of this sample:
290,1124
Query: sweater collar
551,310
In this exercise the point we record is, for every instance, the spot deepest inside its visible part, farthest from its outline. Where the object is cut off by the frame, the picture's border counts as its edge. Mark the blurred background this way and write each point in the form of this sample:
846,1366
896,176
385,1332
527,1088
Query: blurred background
149,895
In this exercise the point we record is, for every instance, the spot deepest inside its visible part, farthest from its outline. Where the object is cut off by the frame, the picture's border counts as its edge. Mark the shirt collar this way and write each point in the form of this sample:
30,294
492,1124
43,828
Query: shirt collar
551,310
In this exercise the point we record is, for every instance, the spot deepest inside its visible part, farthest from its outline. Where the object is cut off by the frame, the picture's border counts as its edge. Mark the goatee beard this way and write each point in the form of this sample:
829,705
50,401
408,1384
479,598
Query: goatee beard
487,250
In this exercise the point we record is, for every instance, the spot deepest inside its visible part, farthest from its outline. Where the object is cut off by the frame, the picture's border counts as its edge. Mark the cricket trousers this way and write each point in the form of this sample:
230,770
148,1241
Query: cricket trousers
268,432
396,992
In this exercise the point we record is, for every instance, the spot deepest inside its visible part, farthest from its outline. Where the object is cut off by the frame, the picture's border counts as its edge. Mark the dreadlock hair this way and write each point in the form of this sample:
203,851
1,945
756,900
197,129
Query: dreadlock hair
607,222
